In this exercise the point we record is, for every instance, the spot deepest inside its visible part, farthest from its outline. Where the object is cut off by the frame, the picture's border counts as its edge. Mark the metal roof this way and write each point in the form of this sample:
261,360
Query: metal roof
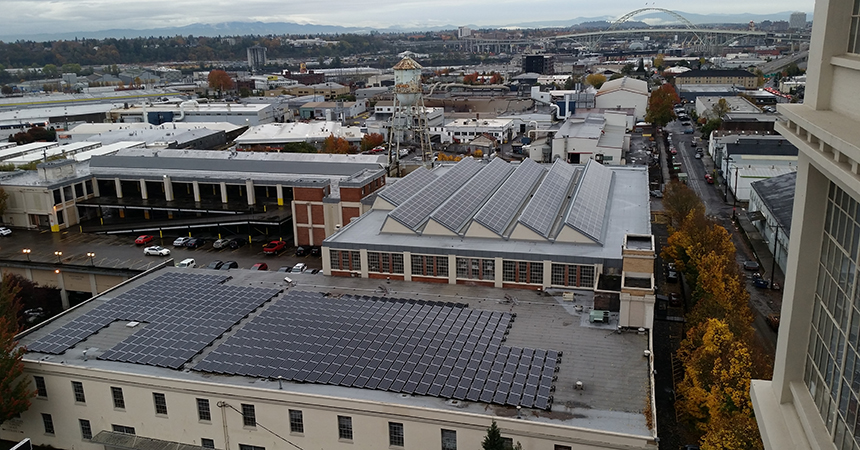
588,212
777,194
503,207
549,200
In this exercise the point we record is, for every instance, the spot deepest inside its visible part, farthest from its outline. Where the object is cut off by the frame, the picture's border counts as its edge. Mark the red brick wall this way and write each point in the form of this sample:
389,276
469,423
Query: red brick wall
302,236
350,194
519,286
309,194
430,279
301,213
349,213
317,214
319,235
383,276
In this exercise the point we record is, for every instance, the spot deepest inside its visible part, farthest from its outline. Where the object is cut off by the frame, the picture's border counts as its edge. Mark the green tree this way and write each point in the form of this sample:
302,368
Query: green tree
493,440
50,71
709,126
661,103
72,68
15,392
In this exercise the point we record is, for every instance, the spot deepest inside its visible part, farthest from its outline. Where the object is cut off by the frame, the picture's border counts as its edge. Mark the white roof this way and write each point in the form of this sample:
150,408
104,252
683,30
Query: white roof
624,84
271,133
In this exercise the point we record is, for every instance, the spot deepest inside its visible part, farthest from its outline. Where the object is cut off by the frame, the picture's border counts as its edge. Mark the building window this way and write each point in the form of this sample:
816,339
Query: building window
344,427
89,186
449,440
160,403
41,390
395,434
345,260
118,400
61,218
418,265
297,424
78,389
249,417
250,447
385,262
203,412
356,260
586,276
48,422
832,360
79,190
854,36
57,197
207,443
86,429
476,269
122,429
509,271
536,273
558,274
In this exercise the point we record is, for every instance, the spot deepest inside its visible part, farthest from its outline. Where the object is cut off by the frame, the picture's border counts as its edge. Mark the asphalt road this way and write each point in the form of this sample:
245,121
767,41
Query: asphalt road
120,251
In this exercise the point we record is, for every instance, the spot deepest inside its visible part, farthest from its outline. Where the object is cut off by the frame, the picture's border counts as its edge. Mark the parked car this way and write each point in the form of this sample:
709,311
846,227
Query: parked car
221,243
229,265
709,178
187,263
144,239
236,243
274,247
671,273
299,268
195,243
751,265
215,265
5,231
180,241
285,269
316,251
260,266
773,321
656,193
675,299
698,156
156,250
301,251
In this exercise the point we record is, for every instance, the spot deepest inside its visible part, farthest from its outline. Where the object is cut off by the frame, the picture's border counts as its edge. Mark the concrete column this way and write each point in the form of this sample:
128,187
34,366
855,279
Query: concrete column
326,261
280,190
295,227
252,196
94,287
362,255
118,187
547,274
95,188
64,295
499,281
452,269
143,192
407,266
310,225
223,192
196,186
168,189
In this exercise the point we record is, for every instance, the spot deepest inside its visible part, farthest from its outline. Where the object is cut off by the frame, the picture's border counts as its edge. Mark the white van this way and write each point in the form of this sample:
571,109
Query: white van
188,263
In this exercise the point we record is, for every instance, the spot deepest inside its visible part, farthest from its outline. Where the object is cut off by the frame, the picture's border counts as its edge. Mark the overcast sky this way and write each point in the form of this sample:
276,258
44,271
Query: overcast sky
27,17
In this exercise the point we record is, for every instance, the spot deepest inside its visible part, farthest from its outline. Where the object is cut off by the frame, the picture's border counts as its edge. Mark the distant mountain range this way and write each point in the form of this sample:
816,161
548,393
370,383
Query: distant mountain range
282,28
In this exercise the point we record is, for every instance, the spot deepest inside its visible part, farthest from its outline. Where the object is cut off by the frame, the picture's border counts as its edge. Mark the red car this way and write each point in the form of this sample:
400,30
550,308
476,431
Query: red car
709,178
260,266
144,239
274,247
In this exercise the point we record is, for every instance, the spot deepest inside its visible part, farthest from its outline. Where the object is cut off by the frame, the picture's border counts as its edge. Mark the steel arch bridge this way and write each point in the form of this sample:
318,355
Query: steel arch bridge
699,39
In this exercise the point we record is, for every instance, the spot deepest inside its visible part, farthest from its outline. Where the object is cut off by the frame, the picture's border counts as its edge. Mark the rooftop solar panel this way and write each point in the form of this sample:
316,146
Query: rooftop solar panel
501,209
399,192
444,370
415,211
456,212
545,206
588,211
174,329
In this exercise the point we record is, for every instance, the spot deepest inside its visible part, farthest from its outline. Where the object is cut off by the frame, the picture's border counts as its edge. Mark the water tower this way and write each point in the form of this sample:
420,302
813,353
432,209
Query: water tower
410,118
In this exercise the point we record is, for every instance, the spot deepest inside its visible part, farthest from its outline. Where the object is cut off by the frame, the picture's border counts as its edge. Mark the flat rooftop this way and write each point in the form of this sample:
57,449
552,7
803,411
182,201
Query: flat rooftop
299,331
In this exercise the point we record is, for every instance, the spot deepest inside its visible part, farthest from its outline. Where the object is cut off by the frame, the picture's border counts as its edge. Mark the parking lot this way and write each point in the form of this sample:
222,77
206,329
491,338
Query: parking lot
120,251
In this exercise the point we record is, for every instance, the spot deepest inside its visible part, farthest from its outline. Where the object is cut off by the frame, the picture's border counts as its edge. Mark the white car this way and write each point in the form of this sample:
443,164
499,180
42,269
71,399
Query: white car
180,241
156,250
5,231
298,268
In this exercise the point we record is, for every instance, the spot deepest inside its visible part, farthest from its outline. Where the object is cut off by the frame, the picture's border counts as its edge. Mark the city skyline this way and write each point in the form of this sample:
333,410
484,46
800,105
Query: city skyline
63,16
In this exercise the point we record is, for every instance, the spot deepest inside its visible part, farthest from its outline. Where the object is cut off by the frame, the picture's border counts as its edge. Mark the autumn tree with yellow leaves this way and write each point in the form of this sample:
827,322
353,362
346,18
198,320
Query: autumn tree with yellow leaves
718,353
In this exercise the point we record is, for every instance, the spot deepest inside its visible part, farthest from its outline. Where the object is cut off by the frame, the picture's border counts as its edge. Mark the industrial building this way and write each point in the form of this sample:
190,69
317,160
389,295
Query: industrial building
273,136
505,225
745,158
599,136
730,77
542,64
257,57
248,114
812,400
773,199
625,93
245,359
737,106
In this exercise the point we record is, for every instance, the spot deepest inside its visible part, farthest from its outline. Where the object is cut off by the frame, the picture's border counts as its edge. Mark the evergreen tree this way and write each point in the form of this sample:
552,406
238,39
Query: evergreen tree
493,440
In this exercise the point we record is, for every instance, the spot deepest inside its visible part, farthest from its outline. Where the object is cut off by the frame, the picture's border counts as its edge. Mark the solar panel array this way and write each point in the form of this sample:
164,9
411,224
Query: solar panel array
456,211
501,209
183,313
415,211
400,191
407,346
588,211
549,199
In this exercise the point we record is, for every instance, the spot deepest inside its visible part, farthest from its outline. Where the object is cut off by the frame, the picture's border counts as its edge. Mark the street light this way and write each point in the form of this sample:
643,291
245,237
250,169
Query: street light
91,255
26,251
58,254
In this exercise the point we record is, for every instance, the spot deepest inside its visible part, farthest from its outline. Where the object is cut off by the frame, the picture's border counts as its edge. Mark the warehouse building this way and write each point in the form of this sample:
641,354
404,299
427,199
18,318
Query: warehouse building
248,360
